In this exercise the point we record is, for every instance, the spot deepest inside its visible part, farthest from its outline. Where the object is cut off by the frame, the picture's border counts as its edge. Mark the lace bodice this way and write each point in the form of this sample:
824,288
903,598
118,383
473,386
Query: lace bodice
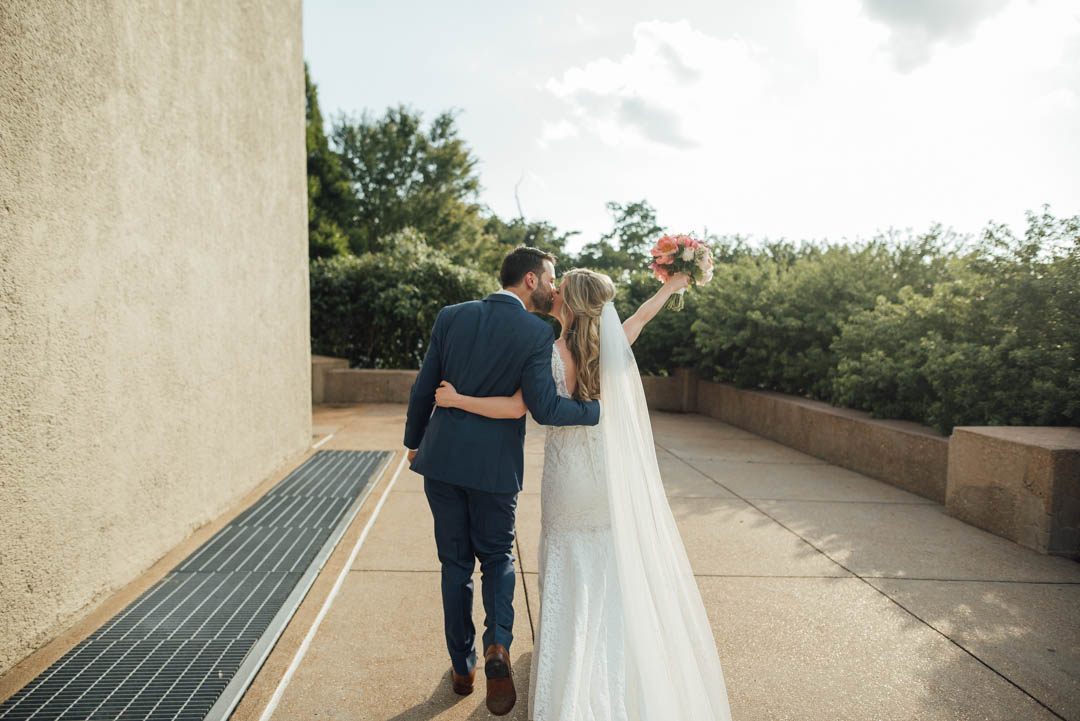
572,487
558,371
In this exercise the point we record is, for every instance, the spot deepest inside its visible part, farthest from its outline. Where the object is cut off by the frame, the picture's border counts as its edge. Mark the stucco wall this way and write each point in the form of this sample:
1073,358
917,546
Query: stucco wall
154,328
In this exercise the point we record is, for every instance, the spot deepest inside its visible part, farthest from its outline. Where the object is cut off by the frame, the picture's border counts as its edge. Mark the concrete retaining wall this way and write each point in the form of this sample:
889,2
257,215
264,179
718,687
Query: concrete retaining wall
320,365
368,386
905,454
332,381
677,392
154,312
1021,483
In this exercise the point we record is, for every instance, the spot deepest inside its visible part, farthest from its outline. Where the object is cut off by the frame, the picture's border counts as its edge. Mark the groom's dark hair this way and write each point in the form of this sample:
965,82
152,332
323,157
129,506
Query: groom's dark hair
522,261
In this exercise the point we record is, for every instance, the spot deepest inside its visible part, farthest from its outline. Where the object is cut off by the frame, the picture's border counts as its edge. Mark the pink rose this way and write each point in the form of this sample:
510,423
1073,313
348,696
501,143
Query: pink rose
666,246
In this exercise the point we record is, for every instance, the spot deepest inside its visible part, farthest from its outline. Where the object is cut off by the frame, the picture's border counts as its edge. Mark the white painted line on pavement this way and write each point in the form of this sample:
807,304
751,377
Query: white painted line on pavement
302,651
324,440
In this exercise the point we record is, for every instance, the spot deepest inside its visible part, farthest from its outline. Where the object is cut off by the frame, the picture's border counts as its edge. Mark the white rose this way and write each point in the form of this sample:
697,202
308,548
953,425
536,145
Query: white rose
688,254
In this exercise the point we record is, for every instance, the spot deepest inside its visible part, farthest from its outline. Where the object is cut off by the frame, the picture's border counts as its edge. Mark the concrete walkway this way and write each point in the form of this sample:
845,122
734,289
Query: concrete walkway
832,595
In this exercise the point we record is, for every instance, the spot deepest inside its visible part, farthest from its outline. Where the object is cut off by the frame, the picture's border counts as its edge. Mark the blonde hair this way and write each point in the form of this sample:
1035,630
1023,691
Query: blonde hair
584,293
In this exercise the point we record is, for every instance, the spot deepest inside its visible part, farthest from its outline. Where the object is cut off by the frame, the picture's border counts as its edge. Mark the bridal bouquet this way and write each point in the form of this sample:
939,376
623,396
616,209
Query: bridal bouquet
674,254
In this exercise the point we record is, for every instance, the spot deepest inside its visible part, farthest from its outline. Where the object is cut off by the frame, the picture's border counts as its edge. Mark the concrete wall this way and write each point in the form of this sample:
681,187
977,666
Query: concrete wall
908,455
1021,483
905,454
676,392
154,317
320,366
332,381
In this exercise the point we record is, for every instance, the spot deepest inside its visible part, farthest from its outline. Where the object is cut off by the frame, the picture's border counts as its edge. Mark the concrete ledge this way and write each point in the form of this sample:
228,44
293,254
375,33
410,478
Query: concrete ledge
332,381
907,455
904,454
1019,482
364,385
320,364
677,392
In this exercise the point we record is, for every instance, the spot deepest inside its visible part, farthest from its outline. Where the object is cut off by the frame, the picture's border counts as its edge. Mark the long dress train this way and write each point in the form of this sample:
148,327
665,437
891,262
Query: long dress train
621,633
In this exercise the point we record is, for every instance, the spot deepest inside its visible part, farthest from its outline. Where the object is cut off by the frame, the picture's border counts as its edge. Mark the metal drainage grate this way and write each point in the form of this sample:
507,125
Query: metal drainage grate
189,646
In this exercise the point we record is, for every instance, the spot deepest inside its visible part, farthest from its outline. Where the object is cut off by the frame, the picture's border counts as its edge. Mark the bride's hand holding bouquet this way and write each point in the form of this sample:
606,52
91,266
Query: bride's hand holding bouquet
681,254
677,283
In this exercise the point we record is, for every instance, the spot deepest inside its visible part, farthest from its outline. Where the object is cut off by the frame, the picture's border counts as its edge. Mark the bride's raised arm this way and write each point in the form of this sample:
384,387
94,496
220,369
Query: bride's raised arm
492,407
632,326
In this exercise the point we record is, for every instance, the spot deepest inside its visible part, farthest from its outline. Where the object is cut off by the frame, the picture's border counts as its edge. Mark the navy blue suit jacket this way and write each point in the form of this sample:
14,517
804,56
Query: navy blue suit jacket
488,347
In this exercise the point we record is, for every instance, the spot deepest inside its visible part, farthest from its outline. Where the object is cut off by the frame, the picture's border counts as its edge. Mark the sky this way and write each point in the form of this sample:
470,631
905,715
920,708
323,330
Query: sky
797,119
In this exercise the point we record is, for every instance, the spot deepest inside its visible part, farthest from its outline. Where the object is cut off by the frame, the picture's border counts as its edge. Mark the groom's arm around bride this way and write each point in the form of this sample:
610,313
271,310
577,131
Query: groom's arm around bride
490,347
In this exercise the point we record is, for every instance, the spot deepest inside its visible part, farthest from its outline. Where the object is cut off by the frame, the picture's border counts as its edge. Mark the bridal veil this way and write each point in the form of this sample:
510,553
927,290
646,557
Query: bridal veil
672,666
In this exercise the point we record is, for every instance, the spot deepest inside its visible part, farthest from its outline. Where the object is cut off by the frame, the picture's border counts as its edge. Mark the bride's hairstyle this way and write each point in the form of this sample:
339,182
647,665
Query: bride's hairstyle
584,293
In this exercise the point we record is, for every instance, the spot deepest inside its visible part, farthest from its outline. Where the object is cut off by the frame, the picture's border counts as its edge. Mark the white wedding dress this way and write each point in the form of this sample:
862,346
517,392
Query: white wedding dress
577,669
621,633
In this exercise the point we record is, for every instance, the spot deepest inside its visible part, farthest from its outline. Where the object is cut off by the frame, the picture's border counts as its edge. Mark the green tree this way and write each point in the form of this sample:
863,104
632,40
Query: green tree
626,246
329,193
404,176
535,234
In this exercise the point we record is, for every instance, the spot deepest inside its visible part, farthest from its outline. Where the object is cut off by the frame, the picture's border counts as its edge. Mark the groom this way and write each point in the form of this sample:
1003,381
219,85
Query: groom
472,465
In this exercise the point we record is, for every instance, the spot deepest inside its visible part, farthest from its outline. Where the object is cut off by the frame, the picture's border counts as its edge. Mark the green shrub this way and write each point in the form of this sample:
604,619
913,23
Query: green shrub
667,342
768,319
995,344
377,310
930,328
883,353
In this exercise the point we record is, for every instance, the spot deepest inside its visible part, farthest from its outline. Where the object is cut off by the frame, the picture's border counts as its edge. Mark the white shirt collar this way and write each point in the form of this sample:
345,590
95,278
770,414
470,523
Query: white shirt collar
504,291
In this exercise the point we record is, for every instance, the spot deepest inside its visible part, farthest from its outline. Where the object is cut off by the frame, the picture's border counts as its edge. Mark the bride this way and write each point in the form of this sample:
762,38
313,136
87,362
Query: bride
622,633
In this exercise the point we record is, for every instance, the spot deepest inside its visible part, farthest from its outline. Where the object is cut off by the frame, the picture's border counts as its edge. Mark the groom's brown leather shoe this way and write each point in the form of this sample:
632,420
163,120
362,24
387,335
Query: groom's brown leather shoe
462,684
501,695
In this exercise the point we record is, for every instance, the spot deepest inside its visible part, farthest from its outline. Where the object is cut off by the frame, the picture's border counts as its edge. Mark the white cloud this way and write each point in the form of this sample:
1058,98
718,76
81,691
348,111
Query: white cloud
587,28
917,25
786,118
1059,100
551,132
671,89
804,141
